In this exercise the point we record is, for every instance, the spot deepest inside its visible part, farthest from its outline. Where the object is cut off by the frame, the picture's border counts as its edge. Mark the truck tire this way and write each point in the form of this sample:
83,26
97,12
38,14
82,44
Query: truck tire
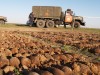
76,24
2,22
40,23
50,24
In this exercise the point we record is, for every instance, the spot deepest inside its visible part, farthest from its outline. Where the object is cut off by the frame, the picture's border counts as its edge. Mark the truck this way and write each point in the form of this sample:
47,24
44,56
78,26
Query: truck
51,16
3,20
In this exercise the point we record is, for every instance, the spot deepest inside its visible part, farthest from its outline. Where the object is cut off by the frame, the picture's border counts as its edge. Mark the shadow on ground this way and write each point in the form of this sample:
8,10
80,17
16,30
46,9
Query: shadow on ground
34,25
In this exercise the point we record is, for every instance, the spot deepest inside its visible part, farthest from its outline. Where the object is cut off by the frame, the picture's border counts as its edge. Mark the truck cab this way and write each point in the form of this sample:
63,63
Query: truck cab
73,20
3,20
80,20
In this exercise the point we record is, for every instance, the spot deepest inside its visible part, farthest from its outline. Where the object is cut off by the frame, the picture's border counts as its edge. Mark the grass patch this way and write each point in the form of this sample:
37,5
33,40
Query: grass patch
8,25
93,30
60,28
67,48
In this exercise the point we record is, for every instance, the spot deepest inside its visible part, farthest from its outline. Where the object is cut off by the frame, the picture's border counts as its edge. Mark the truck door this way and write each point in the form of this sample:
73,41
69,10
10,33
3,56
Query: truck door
68,17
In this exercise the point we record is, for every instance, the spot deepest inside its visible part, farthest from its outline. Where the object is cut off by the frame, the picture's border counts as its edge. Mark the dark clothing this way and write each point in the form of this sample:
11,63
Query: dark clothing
31,18
69,11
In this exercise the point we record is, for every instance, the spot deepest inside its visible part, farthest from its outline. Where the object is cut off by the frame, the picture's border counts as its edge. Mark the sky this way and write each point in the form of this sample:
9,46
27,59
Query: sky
17,11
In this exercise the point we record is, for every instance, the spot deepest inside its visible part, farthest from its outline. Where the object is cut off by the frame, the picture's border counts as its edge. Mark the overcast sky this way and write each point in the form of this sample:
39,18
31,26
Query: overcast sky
17,11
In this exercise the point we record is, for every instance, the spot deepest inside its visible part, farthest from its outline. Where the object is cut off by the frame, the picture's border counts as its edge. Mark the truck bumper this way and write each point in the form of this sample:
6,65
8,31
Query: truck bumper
83,23
5,20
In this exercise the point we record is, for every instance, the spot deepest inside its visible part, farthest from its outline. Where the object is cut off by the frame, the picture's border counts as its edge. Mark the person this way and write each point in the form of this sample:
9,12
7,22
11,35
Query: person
31,18
70,11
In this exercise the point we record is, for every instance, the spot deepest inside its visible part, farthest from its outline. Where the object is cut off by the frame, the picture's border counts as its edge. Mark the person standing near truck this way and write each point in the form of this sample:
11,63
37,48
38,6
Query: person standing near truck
31,19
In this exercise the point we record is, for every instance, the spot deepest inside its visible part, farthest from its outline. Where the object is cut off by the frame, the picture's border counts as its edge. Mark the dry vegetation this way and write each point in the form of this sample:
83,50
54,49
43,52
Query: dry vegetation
49,51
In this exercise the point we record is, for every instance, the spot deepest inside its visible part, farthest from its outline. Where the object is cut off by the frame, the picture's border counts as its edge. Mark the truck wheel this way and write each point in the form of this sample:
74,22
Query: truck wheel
50,24
2,22
40,23
76,24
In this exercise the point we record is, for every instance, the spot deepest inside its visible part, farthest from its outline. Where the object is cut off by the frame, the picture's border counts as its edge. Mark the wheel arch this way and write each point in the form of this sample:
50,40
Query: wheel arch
79,21
3,20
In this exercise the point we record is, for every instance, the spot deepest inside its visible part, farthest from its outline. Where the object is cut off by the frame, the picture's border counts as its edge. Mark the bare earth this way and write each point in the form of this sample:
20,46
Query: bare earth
30,29
49,51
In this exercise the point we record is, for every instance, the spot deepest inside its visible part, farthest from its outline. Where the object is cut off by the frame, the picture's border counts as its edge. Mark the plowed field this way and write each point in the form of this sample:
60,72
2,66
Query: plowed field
49,51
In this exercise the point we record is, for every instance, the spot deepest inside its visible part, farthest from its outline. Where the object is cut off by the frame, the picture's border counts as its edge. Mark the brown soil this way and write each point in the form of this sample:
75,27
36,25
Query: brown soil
49,51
